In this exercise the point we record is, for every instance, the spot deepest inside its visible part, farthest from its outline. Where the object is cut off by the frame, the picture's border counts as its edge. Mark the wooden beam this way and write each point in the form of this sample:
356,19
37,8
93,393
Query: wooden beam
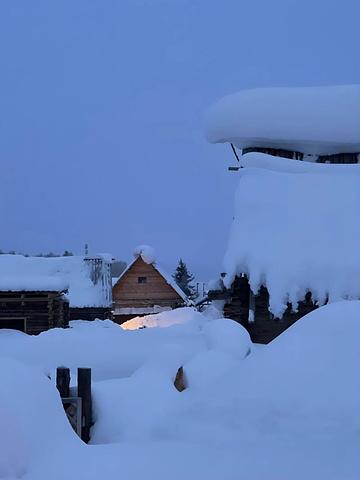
23,299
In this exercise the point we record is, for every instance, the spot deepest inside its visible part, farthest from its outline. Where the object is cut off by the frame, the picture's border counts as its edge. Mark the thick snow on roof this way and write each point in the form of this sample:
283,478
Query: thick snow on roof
297,232
19,273
171,282
146,252
317,120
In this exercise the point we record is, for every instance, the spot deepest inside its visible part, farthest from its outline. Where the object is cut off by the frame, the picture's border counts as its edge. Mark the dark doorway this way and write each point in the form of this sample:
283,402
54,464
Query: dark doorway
13,323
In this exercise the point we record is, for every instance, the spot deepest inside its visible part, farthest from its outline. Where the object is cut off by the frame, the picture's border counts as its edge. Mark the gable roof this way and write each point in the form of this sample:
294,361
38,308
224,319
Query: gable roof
168,279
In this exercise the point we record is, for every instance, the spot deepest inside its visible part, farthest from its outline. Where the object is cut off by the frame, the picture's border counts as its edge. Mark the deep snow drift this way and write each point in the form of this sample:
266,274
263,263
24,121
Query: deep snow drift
315,120
295,400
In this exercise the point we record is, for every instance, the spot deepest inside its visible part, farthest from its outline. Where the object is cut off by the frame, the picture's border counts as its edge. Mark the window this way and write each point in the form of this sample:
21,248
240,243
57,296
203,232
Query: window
141,279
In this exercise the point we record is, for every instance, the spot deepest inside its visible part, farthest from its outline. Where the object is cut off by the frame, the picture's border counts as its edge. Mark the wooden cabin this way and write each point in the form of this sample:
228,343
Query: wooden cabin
33,312
144,289
38,293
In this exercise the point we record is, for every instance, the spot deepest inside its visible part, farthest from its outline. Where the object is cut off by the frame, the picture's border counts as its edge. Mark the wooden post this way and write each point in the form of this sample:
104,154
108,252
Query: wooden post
84,392
63,381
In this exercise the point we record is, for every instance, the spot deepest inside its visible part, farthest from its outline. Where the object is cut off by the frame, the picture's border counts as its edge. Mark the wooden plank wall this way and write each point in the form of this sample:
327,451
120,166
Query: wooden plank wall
156,291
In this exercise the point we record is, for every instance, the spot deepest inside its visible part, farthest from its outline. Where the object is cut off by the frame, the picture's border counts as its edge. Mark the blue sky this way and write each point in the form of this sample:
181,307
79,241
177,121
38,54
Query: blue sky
101,115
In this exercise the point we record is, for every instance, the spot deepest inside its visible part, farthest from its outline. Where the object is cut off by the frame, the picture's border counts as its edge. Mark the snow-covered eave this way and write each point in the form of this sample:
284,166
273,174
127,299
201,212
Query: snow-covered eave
296,230
106,257
286,165
306,147
125,271
33,284
172,283
311,120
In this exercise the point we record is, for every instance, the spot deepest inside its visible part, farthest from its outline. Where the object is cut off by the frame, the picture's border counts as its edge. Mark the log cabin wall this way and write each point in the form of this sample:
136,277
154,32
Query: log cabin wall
90,313
33,312
265,327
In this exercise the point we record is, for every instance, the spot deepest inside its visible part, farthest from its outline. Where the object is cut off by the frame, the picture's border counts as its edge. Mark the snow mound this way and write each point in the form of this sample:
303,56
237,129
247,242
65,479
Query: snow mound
165,319
131,408
207,367
146,253
32,419
225,335
317,120
303,381
295,233
109,350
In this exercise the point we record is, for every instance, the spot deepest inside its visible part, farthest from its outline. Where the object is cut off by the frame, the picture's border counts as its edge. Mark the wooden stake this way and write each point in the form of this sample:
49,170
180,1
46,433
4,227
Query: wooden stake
84,392
63,381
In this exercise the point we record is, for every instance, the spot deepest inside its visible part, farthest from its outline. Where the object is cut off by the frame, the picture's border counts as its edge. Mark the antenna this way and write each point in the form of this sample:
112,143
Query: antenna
86,249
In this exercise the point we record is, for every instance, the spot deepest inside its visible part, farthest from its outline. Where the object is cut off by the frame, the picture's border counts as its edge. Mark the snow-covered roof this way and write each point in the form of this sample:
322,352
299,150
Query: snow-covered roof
296,230
146,252
72,274
171,282
148,255
315,120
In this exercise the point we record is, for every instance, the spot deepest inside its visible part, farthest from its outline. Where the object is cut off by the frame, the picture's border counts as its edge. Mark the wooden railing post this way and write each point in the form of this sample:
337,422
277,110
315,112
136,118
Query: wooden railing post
63,381
84,392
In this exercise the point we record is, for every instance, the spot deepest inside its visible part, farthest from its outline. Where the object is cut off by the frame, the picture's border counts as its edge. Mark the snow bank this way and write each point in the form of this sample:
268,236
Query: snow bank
317,120
295,233
165,319
303,381
32,420
146,253
109,350
229,337
148,400
295,400
297,394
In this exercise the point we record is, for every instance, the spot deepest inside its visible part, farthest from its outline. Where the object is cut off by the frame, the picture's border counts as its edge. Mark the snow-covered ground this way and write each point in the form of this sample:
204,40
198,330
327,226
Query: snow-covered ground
289,410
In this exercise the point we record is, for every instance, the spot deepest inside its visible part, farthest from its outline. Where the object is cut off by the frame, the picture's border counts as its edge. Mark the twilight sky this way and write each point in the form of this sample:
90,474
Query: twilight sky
101,113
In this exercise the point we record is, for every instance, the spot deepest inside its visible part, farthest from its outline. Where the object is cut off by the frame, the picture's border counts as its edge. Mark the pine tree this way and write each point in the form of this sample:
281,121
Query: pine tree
183,277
